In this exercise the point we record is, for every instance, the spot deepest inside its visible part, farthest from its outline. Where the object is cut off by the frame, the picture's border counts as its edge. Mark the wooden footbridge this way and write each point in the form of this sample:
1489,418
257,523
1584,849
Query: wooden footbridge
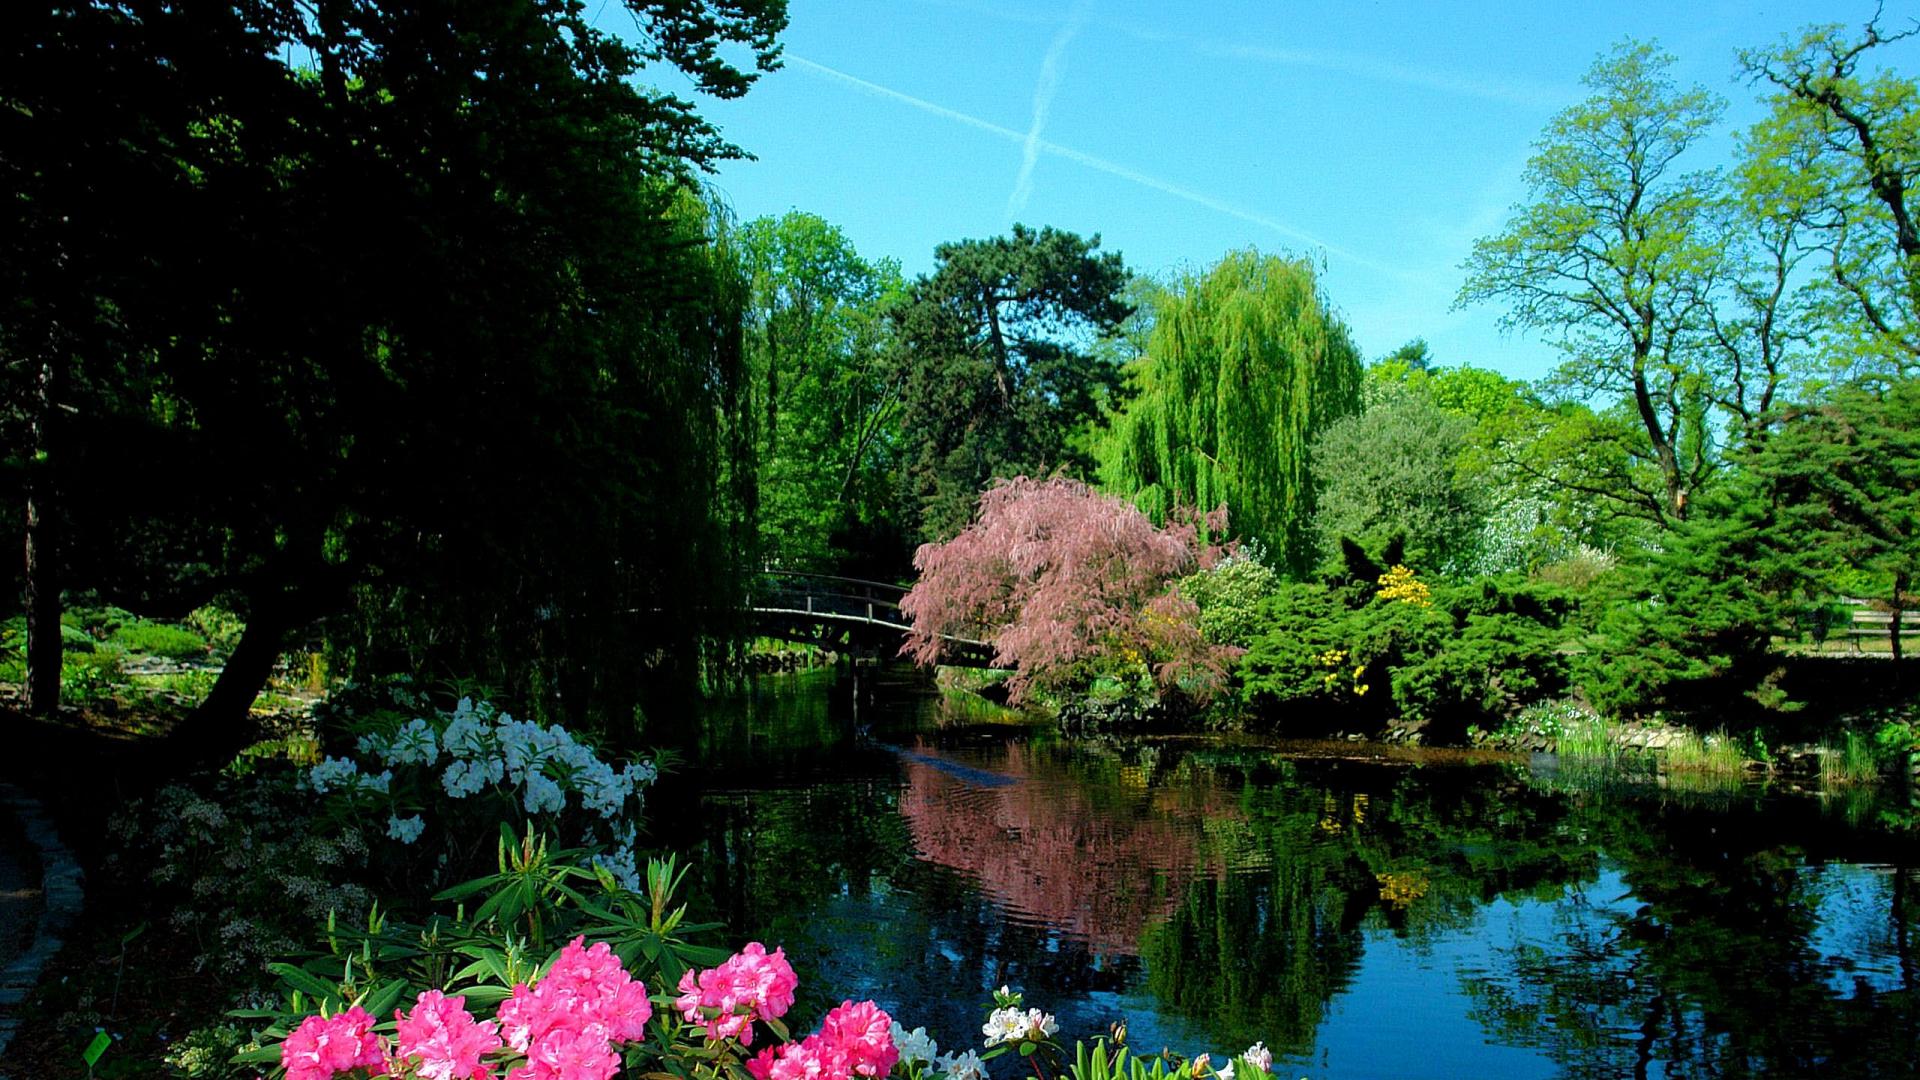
850,615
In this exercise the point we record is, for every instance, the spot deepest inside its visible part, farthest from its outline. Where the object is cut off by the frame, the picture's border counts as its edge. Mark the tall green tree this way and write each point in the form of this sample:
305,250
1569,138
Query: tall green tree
1849,469
826,394
1840,153
439,329
1828,504
1663,291
1003,369
1245,364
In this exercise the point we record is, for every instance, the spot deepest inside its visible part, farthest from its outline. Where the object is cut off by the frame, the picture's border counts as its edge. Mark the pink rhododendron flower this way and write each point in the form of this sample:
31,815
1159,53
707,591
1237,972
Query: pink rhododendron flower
864,1033
853,1041
444,1040
323,1046
587,990
568,1055
752,984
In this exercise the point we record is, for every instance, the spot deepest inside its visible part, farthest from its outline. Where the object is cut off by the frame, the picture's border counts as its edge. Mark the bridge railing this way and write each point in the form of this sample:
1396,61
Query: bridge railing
824,594
827,596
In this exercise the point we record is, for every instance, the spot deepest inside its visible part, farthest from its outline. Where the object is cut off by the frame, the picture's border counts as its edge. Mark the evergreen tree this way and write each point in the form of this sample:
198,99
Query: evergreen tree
1003,369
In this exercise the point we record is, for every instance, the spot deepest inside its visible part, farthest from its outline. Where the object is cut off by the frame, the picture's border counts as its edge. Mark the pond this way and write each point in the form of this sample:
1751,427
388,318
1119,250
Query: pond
1365,912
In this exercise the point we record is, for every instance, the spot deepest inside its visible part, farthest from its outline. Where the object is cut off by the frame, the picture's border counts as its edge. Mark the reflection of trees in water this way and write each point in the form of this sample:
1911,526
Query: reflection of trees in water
1713,969
1241,893
1259,953
1045,847
1257,956
828,872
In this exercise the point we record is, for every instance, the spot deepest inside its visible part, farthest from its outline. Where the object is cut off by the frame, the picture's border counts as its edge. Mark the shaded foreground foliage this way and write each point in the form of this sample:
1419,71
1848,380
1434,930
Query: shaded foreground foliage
432,320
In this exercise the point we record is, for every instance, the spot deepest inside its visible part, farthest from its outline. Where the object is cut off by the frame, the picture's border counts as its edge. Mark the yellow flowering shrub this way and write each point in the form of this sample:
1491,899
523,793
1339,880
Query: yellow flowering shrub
1399,585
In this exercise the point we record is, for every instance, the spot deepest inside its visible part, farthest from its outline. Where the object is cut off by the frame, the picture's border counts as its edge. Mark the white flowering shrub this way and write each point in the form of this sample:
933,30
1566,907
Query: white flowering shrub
464,770
239,867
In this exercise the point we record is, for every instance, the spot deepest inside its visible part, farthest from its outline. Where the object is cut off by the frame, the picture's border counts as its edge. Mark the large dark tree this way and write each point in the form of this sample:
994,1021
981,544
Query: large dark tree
1002,374
424,321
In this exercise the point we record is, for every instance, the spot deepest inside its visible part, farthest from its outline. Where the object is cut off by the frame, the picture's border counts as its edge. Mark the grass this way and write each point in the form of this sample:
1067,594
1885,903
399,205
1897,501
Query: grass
138,636
1714,754
1852,760
1592,739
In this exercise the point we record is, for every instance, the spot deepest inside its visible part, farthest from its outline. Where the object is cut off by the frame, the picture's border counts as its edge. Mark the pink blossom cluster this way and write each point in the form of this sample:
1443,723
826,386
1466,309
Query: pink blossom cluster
566,1026
443,1041
853,1041
324,1045
752,984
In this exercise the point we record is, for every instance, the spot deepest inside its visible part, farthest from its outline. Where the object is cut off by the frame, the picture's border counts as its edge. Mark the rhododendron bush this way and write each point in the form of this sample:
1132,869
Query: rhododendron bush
584,1016
415,767
1069,586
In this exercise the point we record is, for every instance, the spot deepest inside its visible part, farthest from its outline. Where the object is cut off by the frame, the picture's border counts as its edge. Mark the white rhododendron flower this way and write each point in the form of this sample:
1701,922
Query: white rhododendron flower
915,1046
967,1066
1011,1025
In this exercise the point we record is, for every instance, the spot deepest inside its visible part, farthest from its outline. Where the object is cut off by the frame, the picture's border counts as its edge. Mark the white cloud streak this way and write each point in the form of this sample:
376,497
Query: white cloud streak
1100,164
1043,91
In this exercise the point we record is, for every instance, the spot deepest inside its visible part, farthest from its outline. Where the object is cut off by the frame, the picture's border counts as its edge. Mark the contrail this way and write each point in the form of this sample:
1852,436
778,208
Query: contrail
1043,92
1103,165
1533,95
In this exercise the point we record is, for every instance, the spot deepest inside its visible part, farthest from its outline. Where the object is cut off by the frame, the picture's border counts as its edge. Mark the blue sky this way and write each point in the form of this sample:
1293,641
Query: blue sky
1379,138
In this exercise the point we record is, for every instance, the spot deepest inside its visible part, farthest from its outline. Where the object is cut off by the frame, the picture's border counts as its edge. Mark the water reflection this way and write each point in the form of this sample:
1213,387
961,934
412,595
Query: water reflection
1362,918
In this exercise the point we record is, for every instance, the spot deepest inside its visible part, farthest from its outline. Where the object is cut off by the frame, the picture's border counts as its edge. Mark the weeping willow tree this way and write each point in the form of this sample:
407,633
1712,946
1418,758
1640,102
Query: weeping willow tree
1244,366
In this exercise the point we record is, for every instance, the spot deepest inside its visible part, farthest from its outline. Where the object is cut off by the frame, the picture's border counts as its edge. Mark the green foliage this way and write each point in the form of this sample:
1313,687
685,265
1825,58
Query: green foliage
159,639
1002,371
1828,500
1836,155
1706,607
1477,651
221,628
207,1053
1396,470
826,394
1118,1063
1673,301
439,325
1245,365
1229,595
1503,651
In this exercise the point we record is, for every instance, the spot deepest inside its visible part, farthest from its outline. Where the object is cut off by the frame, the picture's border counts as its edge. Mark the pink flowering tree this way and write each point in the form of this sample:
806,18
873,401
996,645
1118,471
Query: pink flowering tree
1068,584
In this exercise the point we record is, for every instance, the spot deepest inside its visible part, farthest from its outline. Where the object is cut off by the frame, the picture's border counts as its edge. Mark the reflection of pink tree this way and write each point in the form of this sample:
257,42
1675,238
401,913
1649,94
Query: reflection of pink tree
1041,849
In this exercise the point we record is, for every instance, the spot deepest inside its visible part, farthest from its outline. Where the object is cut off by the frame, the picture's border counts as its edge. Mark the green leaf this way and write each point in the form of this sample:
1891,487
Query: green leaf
466,888
261,1054
306,981
486,995
382,1000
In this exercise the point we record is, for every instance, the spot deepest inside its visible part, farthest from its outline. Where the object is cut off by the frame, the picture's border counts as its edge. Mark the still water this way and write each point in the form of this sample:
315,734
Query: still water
1436,915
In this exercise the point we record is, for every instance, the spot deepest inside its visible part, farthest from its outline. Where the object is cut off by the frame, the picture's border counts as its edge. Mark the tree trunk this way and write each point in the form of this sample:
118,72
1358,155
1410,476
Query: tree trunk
42,594
222,724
